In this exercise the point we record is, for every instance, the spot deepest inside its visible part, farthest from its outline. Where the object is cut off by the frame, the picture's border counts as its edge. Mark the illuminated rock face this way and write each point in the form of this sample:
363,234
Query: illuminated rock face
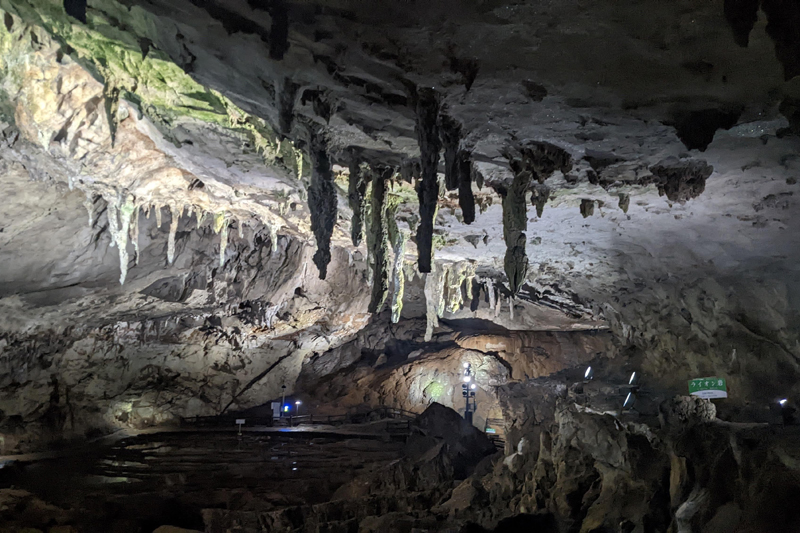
205,201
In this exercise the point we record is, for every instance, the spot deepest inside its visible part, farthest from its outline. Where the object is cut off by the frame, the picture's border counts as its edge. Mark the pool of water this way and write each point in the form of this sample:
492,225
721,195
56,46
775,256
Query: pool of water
142,482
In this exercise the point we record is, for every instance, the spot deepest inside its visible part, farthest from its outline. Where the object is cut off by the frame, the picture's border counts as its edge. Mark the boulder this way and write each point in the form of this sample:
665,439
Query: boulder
466,445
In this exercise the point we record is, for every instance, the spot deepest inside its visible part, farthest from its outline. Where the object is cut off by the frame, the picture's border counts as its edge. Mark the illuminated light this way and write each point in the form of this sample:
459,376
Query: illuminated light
633,376
467,379
295,468
783,402
588,372
473,386
285,408
298,402
628,400
466,365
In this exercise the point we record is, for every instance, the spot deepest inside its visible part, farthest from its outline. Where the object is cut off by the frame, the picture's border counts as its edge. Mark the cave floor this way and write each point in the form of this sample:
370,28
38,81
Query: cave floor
141,482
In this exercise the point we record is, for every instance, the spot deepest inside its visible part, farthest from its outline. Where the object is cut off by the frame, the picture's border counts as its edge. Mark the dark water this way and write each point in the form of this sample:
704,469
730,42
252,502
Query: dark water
140,483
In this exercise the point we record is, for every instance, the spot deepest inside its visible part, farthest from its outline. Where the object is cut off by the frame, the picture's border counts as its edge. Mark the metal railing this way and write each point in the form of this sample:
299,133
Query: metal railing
291,420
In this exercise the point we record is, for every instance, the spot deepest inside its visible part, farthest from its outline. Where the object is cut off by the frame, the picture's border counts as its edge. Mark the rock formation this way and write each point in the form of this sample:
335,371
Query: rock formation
209,205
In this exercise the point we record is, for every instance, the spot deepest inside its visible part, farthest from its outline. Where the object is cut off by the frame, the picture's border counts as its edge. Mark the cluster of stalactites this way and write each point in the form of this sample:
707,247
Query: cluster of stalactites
447,288
123,225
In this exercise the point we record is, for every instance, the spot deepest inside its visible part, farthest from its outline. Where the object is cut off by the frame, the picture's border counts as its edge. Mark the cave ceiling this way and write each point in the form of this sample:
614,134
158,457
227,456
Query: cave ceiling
581,155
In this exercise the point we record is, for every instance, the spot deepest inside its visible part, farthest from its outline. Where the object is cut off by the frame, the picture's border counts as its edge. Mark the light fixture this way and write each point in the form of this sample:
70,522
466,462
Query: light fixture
466,365
633,378
589,373
285,408
473,386
629,400
467,379
298,402
783,402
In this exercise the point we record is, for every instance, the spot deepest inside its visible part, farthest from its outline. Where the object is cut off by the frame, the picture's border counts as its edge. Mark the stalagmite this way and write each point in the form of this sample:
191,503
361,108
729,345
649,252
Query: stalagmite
428,188
497,306
223,244
490,292
511,307
173,229
200,216
240,227
398,275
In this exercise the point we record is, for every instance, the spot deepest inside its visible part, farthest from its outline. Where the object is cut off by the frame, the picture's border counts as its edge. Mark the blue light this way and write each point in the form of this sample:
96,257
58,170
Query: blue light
285,408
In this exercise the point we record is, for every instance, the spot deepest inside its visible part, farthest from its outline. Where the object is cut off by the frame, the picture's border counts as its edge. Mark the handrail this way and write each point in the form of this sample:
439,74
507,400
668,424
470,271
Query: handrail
350,417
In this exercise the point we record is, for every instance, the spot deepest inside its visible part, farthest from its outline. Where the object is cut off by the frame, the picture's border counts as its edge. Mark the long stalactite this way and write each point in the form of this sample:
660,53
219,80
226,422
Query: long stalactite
428,188
322,203
378,240
356,197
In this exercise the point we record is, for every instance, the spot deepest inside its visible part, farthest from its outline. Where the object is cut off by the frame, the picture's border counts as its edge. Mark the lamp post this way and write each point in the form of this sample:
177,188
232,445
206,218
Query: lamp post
468,392
283,399
297,407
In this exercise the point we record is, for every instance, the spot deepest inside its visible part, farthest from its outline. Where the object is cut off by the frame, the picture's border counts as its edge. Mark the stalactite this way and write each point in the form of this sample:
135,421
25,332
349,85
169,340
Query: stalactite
173,230
511,307
428,188
432,320
499,301
534,160
240,227
357,188
286,100
322,203
113,220
470,276
466,200
398,275
158,215
490,292
515,222
273,237
119,225
134,234
111,98
219,221
200,216
378,240
223,244
298,157
88,203
450,131
441,281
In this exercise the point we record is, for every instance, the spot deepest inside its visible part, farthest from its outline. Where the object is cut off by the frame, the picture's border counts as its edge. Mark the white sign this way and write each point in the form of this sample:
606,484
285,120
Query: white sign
240,421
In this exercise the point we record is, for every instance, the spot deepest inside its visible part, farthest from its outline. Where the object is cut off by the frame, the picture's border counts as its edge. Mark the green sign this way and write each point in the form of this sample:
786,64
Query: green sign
708,388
